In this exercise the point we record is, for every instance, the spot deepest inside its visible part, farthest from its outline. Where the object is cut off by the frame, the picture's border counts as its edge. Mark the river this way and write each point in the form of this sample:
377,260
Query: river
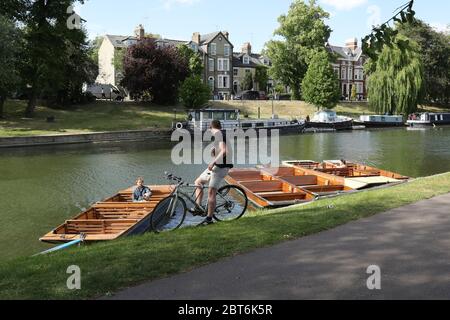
41,187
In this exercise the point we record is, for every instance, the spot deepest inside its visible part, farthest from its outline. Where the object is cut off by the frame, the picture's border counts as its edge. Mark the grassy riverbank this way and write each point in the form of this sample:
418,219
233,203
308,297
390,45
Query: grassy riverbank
112,116
107,267
95,117
299,109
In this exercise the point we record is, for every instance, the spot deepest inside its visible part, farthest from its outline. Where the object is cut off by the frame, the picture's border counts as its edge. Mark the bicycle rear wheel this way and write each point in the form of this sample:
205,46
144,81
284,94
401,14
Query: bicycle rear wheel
168,215
231,203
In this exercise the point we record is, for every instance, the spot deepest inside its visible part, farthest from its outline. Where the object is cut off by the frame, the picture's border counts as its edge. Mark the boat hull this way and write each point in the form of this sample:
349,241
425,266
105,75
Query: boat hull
344,125
383,124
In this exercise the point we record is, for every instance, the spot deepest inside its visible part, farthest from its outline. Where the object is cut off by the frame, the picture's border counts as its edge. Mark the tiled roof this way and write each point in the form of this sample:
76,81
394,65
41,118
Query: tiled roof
118,41
207,38
346,53
254,60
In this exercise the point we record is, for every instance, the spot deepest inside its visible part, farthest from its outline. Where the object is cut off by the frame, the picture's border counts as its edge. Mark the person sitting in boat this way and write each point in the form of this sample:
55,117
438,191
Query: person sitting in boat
141,192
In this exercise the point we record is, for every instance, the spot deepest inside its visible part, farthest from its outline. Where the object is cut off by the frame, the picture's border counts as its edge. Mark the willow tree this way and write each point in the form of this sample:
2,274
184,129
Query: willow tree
396,78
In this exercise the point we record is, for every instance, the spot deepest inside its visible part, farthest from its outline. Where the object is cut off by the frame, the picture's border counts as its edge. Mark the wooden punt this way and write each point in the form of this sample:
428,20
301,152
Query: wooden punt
267,191
110,219
356,176
310,181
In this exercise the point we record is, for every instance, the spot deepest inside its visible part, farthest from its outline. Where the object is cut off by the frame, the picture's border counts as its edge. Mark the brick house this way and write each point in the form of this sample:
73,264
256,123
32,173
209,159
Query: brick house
350,69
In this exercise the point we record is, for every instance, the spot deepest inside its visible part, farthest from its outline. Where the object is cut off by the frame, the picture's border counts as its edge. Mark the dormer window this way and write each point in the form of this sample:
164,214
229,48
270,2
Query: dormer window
246,60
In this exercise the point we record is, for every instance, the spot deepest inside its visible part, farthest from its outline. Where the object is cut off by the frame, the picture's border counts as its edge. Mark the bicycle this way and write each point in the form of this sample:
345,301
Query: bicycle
170,213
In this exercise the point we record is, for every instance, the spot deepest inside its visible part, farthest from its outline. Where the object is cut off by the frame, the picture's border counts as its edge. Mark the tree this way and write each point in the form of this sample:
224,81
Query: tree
247,82
321,85
10,38
435,55
194,93
262,77
154,71
395,79
353,93
193,60
52,51
303,31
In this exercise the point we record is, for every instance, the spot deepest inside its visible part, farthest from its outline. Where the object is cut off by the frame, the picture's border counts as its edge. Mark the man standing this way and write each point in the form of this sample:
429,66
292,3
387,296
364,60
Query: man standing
217,171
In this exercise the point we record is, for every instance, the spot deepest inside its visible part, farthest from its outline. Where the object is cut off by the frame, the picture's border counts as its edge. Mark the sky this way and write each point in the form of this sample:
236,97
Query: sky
246,20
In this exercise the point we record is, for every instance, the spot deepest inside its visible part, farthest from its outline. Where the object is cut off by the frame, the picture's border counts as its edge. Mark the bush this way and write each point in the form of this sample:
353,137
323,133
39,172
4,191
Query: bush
194,93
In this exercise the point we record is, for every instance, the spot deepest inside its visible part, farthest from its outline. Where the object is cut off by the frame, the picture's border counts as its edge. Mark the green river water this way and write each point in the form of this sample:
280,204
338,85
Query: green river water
41,187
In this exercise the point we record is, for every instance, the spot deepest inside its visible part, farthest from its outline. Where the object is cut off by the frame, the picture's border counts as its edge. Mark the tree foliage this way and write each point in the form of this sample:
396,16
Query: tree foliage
193,60
395,79
383,35
321,85
262,77
247,82
10,38
194,93
435,55
157,72
55,59
302,31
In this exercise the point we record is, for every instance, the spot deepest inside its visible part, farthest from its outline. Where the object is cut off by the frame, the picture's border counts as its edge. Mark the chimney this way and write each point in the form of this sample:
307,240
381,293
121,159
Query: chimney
140,32
196,37
352,43
247,48
226,34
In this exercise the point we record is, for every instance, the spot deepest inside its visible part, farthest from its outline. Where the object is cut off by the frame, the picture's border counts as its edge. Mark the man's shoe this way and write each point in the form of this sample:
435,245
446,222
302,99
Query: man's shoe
207,222
197,212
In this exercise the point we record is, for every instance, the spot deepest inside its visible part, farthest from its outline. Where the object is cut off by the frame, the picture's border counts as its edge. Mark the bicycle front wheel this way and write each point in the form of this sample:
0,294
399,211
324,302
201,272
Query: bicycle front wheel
231,203
168,215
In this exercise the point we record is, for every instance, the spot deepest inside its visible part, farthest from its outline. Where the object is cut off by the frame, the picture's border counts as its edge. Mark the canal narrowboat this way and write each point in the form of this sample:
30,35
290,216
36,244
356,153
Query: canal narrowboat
378,121
267,191
231,120
328,119
356,176
429,119
110,219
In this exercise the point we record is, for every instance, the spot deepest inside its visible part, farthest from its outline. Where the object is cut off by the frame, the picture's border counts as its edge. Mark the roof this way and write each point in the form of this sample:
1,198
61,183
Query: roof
346,53
207,38
254,60
119,41
173,42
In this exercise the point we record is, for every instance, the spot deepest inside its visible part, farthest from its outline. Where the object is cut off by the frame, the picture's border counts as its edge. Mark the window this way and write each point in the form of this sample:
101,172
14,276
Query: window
343,73
350,73
246,60
213,49
235,72
224,82
247,71
211,65
226,50
211,82
223,65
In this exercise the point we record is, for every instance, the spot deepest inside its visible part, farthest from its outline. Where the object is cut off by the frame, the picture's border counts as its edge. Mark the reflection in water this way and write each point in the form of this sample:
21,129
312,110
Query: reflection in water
42,187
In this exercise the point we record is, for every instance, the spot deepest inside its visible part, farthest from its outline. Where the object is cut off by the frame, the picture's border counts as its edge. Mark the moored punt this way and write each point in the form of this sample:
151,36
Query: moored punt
110,219
267,191
310,181
356,176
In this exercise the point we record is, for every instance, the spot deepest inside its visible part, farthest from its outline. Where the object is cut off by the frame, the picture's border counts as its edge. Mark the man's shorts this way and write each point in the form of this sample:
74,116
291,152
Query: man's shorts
215,177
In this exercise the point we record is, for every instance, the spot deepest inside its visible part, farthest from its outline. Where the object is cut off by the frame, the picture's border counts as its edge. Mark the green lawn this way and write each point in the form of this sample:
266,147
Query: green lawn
98,116
108,267
298,109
